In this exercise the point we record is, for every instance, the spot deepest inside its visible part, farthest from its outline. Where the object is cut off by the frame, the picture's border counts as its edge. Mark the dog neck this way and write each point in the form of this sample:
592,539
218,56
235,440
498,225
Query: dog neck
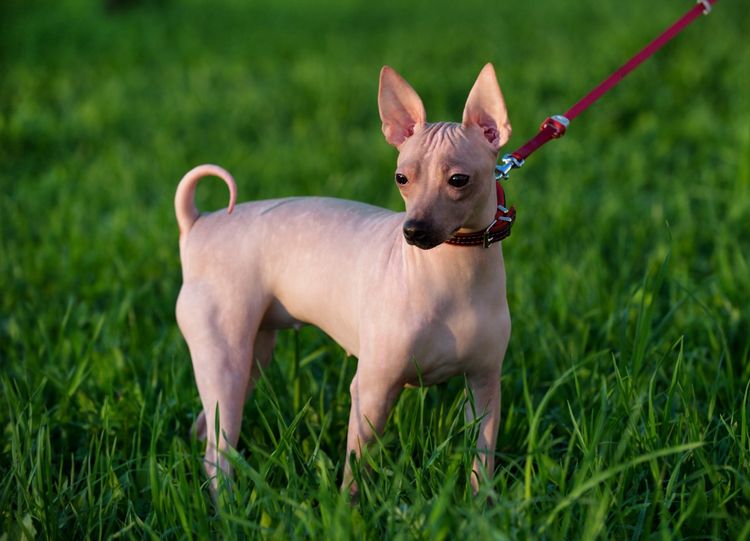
448,266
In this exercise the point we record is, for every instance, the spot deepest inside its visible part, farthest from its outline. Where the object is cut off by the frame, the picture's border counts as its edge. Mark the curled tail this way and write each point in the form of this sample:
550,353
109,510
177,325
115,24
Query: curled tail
184,198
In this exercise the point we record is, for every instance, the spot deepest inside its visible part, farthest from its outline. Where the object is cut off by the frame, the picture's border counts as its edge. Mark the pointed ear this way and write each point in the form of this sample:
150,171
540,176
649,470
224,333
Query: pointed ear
401,110
485,108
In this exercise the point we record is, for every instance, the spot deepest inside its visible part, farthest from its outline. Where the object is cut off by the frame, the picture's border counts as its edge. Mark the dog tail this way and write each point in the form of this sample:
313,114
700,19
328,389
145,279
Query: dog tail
184,199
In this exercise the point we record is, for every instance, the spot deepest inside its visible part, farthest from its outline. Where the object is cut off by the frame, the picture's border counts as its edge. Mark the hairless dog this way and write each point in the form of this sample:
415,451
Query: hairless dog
386,286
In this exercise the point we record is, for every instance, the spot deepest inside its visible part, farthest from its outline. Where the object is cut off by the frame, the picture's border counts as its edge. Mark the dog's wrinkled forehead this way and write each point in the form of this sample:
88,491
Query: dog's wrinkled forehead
447,141
439,134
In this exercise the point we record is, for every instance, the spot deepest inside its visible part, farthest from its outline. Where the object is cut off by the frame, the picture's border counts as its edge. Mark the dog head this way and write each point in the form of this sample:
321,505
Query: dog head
445,170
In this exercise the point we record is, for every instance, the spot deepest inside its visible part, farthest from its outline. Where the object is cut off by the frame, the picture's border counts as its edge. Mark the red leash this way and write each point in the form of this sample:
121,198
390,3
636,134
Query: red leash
554,127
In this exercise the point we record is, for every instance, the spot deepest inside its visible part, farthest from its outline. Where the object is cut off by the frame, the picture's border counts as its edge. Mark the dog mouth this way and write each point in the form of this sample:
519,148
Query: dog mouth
422,239
423,244
422,234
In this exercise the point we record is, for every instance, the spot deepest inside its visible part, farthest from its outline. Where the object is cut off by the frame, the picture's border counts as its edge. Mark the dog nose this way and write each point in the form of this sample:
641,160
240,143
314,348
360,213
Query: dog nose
416,232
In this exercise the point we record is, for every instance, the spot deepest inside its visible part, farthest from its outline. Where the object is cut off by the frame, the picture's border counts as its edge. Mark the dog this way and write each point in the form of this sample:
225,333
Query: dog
396,290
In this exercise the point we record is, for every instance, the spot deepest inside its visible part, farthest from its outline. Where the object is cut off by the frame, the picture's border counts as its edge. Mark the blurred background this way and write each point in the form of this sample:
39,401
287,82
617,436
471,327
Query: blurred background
105,105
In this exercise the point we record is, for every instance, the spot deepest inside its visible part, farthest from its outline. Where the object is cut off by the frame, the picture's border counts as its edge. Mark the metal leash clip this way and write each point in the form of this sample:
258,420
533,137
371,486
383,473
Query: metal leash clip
507,162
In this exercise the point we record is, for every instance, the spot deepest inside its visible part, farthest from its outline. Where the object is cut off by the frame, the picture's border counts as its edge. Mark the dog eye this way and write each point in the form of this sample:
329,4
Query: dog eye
458,181
401,179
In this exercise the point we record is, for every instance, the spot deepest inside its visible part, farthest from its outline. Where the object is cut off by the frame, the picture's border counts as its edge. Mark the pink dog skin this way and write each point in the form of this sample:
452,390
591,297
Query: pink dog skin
382,284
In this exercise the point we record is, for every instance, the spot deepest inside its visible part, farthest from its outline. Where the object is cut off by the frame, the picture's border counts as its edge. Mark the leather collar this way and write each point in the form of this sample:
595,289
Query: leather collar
495,232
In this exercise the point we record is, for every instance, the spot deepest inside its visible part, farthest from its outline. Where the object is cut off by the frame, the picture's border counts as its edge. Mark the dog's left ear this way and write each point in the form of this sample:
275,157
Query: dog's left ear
485,108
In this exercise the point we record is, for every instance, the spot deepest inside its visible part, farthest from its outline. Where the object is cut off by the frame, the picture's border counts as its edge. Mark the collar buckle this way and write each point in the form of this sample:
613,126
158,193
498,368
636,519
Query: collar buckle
487,236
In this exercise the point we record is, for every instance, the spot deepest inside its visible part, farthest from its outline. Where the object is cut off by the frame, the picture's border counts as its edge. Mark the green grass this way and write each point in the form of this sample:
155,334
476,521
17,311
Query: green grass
625,390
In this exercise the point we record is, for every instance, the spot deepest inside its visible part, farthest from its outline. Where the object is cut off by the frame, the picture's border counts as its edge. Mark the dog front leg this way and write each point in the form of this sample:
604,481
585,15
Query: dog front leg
371,403
486,407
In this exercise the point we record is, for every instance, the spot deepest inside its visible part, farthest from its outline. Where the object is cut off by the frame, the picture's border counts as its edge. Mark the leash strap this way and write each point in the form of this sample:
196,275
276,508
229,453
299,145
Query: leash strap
554,127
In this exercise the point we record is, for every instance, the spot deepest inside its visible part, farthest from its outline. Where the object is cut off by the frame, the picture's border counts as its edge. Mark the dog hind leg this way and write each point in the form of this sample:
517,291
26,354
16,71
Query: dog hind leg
220,336
262,352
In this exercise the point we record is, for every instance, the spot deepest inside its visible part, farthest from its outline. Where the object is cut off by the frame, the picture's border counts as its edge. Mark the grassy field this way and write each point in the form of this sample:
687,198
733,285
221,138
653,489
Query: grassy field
625,390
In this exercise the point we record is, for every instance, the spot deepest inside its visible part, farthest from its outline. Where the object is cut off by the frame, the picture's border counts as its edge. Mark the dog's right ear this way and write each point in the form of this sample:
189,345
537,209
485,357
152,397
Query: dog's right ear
401,110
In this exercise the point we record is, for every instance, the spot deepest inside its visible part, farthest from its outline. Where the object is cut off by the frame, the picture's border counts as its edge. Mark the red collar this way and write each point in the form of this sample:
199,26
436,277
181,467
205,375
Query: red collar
496,231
